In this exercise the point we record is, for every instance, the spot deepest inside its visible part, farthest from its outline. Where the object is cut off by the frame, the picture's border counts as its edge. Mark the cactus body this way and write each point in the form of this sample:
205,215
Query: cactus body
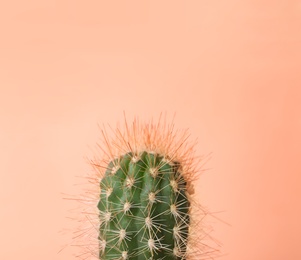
143,185
143,209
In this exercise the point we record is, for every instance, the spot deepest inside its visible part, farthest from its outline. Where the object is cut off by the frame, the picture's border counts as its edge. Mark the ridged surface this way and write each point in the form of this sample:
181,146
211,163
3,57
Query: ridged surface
143,209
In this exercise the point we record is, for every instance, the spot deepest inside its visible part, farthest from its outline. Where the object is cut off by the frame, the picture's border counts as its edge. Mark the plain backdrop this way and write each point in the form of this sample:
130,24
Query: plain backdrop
230,70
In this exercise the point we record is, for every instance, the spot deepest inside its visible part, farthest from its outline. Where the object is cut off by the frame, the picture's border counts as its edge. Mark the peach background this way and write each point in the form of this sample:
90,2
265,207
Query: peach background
229,69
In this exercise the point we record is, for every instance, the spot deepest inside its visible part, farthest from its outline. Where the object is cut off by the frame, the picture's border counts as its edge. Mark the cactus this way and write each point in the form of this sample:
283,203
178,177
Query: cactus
141,204
143,208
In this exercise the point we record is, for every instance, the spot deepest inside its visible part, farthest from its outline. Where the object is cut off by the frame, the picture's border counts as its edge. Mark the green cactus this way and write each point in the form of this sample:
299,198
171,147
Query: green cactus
139,203
143,186
143,209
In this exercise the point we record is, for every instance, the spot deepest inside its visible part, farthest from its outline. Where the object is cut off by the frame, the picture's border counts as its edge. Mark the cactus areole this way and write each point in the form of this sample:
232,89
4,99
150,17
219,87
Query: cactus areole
143,208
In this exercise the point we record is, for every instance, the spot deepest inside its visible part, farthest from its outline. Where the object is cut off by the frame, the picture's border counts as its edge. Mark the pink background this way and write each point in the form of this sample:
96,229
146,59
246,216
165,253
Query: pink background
229,69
